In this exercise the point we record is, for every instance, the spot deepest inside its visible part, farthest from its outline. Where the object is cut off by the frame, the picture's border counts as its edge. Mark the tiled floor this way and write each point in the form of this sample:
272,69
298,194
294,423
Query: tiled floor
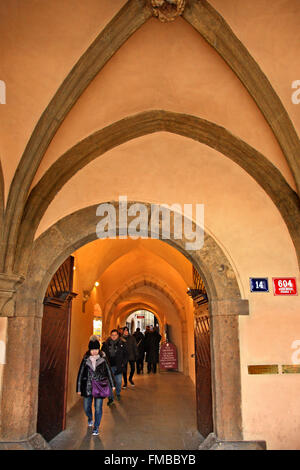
158,413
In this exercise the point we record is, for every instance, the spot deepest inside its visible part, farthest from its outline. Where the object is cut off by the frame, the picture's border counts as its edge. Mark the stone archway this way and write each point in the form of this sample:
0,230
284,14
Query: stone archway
157,286
19,397
142,281
267,176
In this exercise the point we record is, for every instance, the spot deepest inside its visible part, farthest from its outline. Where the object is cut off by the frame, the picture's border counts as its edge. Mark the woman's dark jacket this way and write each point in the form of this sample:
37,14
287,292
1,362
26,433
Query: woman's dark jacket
86,374
140,341
121,353
132,347
153,340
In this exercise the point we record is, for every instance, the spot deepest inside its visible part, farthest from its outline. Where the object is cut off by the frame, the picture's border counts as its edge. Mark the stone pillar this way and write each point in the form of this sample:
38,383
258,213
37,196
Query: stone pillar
226,373
19,399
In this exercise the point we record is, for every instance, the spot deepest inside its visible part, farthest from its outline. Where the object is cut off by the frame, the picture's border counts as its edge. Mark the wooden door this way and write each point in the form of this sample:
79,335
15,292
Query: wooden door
203,371
55,341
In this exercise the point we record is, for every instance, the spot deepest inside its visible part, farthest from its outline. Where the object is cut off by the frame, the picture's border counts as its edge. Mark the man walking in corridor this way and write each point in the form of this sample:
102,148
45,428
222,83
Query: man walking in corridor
152,351
140,341
132,356
116,352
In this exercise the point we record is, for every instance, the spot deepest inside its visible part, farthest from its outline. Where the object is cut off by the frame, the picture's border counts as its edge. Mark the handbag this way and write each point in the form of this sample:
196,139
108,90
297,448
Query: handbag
101,388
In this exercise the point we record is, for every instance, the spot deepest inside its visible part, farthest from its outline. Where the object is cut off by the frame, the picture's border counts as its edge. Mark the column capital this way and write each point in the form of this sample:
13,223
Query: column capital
229,307
9,284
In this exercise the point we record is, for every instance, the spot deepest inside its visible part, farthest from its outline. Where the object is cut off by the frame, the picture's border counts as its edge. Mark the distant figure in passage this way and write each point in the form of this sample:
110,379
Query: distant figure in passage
132,356
152,353
140,341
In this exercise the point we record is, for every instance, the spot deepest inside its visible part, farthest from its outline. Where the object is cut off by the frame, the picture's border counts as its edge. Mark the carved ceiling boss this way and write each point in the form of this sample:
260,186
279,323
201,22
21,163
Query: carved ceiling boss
167,10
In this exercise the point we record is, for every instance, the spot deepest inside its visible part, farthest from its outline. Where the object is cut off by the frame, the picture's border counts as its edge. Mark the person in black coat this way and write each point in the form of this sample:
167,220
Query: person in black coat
132,356
116,351
152,351
140,341
94,366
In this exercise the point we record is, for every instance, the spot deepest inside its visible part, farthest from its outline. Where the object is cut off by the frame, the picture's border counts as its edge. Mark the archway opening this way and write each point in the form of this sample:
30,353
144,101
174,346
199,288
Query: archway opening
141,319
85,292
58,243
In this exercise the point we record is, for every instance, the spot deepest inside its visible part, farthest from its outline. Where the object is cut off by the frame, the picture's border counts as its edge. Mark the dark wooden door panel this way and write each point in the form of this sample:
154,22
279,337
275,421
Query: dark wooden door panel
203,375
54,352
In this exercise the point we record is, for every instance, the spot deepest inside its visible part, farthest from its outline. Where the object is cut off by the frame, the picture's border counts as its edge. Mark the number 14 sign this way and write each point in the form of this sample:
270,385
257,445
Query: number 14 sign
284,286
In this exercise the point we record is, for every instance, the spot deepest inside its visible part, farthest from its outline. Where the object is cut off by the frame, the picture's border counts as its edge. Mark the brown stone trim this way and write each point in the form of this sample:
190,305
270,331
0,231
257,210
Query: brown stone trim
253,162
214,29
34,442
231,307
8,287
212,443
291,369
131,16
263,369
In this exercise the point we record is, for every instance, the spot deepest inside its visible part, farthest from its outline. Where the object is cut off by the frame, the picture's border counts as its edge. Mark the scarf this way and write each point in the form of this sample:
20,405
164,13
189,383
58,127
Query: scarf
93,360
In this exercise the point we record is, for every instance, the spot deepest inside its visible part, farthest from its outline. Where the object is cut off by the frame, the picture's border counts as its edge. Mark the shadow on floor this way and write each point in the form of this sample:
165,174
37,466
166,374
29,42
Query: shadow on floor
159,413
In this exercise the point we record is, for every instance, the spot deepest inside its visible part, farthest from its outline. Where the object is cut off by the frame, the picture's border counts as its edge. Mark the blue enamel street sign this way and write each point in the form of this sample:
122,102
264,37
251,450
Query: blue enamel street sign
259,284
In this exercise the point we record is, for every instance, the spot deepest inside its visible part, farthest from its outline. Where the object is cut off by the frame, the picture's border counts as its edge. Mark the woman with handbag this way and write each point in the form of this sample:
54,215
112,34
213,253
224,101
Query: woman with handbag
94,381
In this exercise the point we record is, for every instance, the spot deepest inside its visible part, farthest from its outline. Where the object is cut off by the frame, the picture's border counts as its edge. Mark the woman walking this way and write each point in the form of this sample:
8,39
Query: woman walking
93,382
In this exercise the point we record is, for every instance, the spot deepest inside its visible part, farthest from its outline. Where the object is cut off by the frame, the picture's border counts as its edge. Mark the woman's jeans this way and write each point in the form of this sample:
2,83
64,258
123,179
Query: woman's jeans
87,405
118,379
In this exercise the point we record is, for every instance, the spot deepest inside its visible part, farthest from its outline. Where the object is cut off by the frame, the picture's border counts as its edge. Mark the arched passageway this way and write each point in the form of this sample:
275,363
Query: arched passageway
61,240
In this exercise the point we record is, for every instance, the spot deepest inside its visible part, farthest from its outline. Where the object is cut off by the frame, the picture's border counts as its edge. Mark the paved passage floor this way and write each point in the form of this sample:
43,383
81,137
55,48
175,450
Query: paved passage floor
159,413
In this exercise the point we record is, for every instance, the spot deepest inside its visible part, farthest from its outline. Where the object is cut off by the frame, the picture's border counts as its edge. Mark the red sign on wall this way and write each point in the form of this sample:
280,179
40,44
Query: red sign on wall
284,286
168,357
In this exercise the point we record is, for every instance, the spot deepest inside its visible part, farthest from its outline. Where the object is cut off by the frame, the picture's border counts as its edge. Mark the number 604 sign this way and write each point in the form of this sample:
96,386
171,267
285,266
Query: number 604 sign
284,286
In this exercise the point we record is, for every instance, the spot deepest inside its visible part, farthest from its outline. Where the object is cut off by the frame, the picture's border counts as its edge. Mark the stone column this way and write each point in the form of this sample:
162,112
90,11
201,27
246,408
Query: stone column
226,373
19,394
20,379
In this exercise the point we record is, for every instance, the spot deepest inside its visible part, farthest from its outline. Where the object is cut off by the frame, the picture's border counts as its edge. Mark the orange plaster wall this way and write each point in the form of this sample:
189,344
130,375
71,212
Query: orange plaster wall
270,402
271,33
40,43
